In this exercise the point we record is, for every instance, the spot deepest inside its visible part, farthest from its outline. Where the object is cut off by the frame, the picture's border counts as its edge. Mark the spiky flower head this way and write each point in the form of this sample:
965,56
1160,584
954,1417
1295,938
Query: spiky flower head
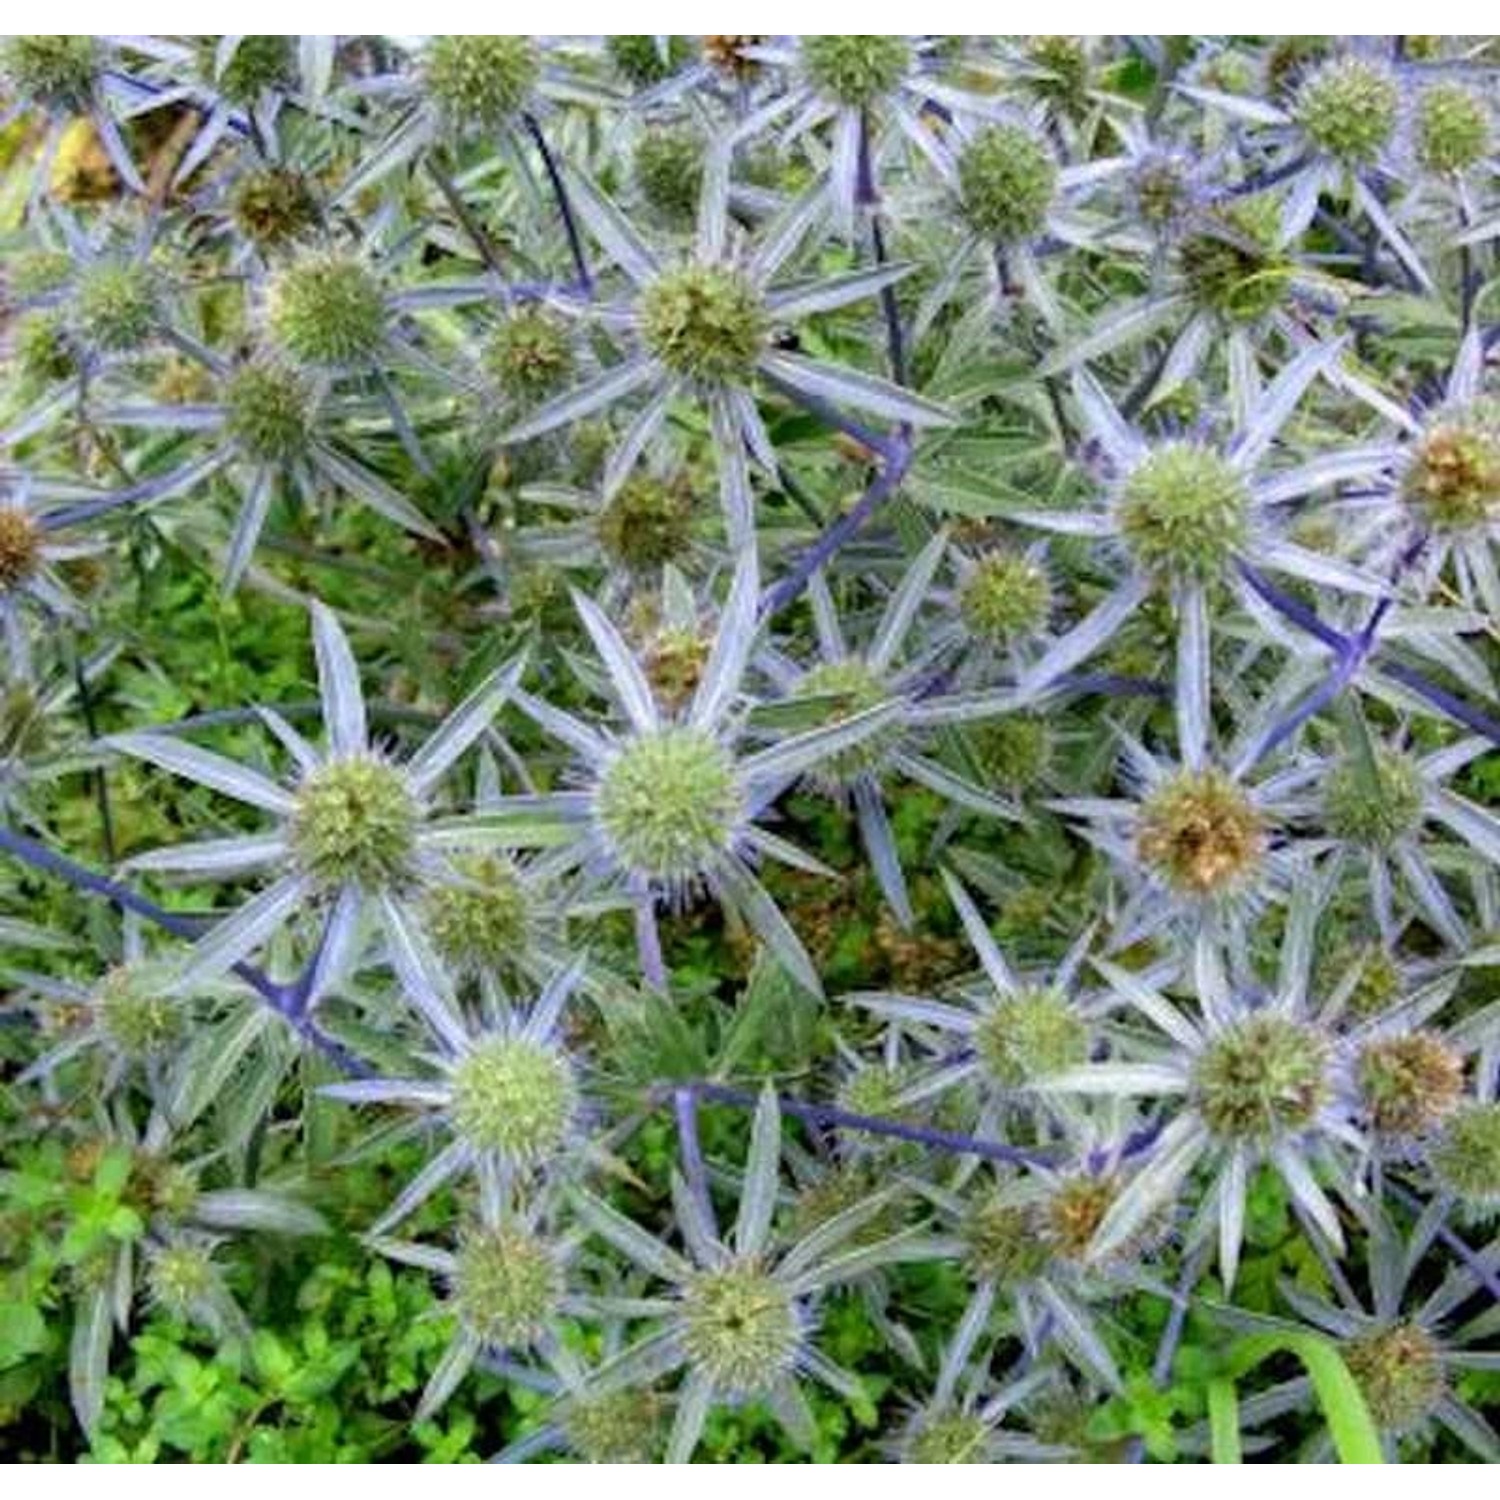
268,410
1454,130
1183,511
1007,179
118,305
1161,189
481,921
259,64
855,71
1373,810
643,60
1399,1370
615,1427
1409,1084
137,1013
954,1437
479,83
1200,833
704,322
21,539
673,659
1028,1035
180,1276
329,309
740,1327
1466,1157
1234,266
668,170
1066,60
669,803
1074,1210
529,354
1264,1078
1349,108
856,687
514,1098
1000,1240
1452,482
727,54
354,820
1014,752
274,206
34,273
56,72
1379,985
1007,596
647,522
507,1286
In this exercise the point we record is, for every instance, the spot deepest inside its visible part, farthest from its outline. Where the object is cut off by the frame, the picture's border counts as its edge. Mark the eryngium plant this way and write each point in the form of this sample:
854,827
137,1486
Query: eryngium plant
891,809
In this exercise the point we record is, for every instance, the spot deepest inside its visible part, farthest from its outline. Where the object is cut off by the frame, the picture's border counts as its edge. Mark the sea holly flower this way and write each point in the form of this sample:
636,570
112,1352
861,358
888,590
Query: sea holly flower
856,87
508,1281
1407,1350
704,328
1339,134
459,90
1251,1075
1001,1034
669,802
1203,839
1377,804
355,833
740,1316
1000,181
1439,484
1465,1155
275,427
237,84
961,1420
61,78
30,549
1186,514
507,1094
846,683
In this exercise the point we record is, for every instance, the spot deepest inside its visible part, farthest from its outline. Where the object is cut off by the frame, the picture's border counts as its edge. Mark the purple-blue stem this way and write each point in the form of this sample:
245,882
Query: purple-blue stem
1171,1335
287,1000
564,205
694,1171
833,1118
1488,1276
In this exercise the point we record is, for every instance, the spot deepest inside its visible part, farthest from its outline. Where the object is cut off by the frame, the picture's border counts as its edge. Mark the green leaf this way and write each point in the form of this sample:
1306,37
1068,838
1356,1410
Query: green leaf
1355,1436
1224,1422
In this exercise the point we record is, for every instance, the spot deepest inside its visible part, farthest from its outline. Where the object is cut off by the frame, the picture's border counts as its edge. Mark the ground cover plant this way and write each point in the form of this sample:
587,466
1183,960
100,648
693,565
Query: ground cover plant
749,749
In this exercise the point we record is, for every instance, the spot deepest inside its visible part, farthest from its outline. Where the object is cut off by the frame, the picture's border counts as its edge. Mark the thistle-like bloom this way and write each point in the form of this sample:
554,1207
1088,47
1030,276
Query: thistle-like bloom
508,1095
61,78
851,682
508,1287
273,428
1439,486
1203,839
668,804
1252,1077
459,90
1185,514
1340,134
1002,1034
356,832
30,548
704,328
740,1317
1376,805
855,87
1406,1350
